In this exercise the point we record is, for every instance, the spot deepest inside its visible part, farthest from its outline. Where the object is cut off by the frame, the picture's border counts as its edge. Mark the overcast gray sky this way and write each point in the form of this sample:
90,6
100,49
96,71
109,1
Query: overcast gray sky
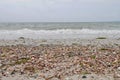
59,10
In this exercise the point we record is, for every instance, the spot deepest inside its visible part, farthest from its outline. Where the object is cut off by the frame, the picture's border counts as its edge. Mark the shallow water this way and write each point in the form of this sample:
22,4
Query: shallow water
60,30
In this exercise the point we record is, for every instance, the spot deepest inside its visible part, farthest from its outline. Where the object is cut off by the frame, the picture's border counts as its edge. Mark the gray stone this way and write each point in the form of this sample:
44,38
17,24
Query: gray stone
0,64
118,68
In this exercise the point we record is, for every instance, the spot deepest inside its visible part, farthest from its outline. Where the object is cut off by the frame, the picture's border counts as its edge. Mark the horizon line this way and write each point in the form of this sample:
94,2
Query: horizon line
56,21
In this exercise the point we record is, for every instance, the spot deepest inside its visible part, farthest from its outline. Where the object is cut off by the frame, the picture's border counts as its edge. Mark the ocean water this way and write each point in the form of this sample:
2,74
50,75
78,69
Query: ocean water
60,30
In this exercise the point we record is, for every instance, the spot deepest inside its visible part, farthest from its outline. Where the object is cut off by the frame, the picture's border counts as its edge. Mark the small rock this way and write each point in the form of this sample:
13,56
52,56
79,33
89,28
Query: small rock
0,65
21,38
92,76
3,74
13,72
114,52
84,77
21,72
0,74
117,76
118,68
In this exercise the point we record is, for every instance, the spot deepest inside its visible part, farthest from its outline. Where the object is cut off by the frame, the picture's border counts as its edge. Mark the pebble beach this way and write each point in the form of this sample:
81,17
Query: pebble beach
89,59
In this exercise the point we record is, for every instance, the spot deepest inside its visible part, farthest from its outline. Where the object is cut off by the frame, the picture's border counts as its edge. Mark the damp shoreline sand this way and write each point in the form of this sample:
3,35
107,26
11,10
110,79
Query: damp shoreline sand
72,59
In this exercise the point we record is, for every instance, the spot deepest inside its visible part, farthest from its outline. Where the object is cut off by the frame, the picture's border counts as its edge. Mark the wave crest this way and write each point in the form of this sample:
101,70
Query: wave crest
63,33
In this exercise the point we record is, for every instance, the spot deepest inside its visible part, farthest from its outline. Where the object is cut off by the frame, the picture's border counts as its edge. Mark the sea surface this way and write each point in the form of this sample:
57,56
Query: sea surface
60,30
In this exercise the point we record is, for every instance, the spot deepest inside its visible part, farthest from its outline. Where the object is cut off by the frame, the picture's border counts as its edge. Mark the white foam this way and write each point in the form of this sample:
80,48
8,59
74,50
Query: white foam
56,34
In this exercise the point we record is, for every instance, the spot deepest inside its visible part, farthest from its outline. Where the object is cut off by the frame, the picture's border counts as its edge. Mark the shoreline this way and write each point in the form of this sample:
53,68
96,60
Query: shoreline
29,59
79,41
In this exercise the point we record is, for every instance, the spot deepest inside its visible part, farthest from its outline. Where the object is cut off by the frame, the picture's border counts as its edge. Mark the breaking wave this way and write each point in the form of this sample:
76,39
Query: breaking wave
60,33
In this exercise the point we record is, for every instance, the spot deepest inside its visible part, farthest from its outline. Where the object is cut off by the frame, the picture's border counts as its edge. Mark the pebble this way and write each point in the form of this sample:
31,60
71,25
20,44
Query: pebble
55,61
114,53
0,65
12,72
0,74
118,68
84,76
117,75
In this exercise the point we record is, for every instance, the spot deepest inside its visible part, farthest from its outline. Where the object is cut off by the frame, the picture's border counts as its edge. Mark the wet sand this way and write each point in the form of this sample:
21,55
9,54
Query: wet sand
76,59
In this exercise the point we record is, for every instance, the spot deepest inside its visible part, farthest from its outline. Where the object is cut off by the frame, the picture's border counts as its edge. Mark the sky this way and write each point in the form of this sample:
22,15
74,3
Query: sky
59,10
